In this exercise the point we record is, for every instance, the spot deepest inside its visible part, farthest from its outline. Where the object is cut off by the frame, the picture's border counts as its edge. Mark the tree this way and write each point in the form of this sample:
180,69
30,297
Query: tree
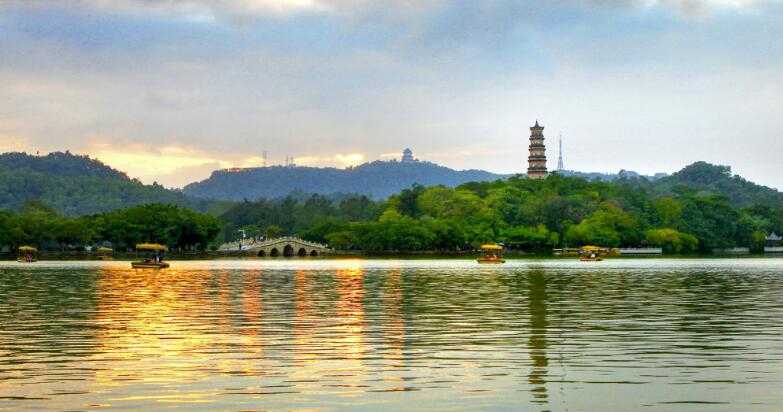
609,226
537,238
672,241
407,201
273,231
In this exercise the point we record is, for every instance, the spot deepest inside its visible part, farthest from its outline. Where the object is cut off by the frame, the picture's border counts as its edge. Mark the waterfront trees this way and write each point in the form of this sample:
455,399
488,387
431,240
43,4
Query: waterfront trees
529,215
177,227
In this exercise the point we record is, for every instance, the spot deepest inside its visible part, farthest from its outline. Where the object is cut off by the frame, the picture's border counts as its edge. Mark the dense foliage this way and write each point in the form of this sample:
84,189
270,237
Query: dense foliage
700,208
704,177
40,226
530,215
377,180
77,185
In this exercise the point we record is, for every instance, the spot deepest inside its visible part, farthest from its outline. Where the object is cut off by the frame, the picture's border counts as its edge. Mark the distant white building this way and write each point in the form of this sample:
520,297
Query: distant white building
773,243
407,156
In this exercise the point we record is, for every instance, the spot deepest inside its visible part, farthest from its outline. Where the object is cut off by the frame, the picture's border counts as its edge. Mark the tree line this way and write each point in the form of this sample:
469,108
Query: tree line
524,214
41,226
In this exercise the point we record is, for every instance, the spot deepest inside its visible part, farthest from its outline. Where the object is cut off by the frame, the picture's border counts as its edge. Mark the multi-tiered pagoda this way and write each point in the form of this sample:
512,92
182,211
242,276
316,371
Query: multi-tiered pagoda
537,160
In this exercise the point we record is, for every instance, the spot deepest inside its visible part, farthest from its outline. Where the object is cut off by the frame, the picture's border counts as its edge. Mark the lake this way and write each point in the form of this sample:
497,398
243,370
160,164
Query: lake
391,335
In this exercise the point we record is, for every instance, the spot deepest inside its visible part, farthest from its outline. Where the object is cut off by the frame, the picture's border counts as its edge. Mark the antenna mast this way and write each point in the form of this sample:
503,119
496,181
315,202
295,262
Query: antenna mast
560,157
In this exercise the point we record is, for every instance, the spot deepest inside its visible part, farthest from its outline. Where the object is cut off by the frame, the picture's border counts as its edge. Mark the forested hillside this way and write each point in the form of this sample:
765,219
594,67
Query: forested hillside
76,185
708,178
530,215
376,180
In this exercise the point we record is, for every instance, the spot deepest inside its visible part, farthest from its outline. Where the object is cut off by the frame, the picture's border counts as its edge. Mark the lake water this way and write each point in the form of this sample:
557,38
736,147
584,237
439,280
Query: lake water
332,335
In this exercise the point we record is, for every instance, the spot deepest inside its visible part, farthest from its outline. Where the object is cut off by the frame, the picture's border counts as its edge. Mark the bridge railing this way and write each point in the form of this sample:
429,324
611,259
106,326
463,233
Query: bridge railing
250,243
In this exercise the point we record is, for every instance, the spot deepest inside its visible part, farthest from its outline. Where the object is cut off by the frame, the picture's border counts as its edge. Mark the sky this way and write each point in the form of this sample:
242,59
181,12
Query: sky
171,90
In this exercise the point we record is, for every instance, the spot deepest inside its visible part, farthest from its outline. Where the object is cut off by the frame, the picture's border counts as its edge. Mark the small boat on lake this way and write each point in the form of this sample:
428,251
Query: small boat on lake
592,253
27,254
492,254
155,259
104,253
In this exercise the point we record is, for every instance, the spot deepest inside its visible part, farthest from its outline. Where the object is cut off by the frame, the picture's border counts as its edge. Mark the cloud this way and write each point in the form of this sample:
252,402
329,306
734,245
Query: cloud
338,82
241,11
339,160
196,10
176,166
10,143
701,7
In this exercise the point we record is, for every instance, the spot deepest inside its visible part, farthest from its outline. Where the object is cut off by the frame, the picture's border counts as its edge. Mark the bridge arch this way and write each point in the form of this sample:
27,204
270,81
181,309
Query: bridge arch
287,246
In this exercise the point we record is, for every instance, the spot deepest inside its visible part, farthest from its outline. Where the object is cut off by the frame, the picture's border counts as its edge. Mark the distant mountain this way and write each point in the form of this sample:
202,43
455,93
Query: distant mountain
709,178
608,177
76,185
377,180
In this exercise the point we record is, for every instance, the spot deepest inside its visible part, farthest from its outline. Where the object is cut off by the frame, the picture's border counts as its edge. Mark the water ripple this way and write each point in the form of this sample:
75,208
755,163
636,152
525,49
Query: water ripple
392,335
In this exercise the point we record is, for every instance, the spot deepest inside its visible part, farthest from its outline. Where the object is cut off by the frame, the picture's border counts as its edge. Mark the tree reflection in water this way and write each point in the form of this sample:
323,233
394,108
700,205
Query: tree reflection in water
537,343
400,335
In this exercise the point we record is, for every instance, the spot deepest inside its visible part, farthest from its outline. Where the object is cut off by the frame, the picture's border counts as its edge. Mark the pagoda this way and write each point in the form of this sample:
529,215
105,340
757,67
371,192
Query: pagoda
537,160
407,156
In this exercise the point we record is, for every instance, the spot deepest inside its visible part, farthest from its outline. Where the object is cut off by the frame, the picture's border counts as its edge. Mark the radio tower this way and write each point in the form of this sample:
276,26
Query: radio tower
560,157
264,156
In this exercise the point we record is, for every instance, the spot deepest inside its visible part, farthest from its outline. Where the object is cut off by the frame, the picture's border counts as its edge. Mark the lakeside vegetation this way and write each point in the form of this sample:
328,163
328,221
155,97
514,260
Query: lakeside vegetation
529,215
39,225
701,208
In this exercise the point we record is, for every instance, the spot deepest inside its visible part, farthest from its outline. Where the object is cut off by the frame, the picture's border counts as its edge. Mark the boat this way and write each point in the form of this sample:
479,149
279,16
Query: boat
492,254
155,261
104,253
27,254
591,253
149,265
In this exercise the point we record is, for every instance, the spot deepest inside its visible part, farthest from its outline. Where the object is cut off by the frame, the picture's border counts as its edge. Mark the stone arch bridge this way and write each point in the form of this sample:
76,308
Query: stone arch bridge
288,246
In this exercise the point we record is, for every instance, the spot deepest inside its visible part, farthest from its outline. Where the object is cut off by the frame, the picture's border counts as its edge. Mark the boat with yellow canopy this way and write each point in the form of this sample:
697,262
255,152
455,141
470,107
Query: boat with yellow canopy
591,253
27,254
492,254
104,253
155,261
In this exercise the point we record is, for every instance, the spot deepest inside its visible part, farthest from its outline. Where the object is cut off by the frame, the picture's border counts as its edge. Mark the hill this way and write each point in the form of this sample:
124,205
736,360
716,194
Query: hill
609,177
377,180
77,185
532,215
714,179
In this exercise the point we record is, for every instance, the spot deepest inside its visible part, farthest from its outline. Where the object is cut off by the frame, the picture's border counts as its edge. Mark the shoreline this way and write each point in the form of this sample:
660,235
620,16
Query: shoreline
87,256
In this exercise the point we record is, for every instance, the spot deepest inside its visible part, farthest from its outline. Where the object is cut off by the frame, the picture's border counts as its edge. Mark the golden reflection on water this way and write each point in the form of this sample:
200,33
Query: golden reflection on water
166,327
391,338
349,313
306,355
138,313
394,327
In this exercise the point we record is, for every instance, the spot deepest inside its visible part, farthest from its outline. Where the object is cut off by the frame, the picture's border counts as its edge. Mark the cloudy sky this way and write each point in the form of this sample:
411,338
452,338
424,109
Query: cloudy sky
170,90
